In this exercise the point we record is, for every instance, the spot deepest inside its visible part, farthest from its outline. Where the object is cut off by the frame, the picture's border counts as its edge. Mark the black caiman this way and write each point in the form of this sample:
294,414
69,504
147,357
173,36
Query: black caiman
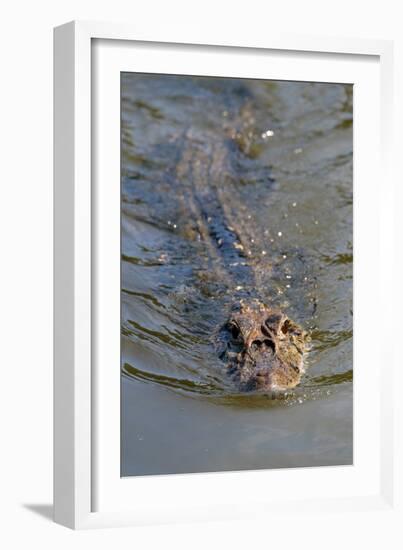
262,348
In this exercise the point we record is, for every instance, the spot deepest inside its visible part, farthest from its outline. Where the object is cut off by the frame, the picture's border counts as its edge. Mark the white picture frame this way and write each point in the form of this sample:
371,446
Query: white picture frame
87,489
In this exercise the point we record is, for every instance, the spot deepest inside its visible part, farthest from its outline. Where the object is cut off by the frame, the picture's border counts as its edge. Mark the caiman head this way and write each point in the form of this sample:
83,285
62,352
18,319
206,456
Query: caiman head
263,348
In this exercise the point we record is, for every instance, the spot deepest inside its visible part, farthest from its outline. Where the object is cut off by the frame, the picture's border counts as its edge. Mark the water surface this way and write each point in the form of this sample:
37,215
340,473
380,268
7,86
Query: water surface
180,413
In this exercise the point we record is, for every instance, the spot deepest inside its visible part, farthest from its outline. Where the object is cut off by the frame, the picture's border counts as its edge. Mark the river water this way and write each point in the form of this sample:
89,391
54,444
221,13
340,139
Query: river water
179,411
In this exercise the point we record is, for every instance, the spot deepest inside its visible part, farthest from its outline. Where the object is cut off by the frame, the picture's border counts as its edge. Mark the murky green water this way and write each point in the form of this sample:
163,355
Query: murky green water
180,413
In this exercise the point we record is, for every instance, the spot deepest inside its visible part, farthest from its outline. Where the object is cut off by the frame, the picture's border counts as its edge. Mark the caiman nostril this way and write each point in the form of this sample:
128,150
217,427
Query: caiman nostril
257,343
270,344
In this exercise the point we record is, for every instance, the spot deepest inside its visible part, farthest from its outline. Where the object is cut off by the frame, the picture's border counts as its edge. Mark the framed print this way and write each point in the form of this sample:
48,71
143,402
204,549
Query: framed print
220,231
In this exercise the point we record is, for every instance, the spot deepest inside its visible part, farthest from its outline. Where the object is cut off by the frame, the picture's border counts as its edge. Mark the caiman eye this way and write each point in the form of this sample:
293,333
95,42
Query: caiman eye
272,320
234,330
286,326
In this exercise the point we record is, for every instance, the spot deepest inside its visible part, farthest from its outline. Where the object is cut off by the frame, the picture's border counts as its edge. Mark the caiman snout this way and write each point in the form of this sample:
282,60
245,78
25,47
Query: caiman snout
262,347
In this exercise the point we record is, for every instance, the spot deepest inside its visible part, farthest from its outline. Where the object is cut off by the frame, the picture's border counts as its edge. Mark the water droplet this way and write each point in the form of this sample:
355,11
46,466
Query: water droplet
267,134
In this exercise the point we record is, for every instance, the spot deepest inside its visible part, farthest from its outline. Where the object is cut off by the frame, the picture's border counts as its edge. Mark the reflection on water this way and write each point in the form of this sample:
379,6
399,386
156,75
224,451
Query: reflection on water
291,193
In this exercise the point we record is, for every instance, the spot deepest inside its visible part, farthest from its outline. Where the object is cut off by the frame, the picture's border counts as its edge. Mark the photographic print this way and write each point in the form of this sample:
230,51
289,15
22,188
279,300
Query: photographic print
236,274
